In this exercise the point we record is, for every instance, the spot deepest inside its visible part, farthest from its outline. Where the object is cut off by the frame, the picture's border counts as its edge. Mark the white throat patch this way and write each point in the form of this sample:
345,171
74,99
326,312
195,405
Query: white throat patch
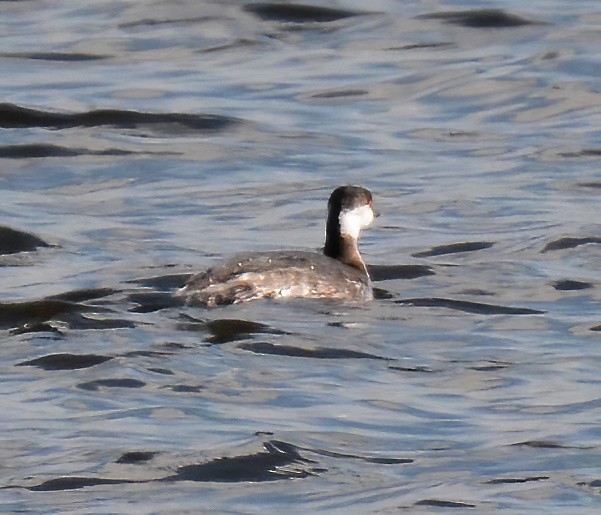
353,220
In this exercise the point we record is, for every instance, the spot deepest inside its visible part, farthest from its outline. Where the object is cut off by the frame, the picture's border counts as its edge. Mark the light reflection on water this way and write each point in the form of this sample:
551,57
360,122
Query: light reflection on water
463,134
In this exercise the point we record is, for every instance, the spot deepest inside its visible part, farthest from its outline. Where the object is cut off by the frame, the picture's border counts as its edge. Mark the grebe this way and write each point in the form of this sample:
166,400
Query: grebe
338,273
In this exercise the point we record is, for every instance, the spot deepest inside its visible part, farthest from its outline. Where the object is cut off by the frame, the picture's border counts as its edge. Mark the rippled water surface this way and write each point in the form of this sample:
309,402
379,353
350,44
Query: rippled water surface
143,141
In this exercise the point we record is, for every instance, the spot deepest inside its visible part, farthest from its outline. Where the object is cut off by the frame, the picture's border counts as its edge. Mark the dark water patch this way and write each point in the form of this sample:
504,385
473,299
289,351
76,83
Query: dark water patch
39,150
341,93
13,241
462,134
273,464
411,369
468,307
176,345
385,461
512,480
145,354
36,150
414,46
184,388
150,302
454,248
370,459
85,323
65,361
547,444
162,371
31,316
54,56
238,43
494,365
259,467
226,330
31,312
381,294
136,457
585,152
39,327
476,291
164,282
568,284
151,22
390,272
297,13
480,18
541,444
596,328
595,185
569,243
13,116
297,352
111,383
595,483
443,504
83,295
75,483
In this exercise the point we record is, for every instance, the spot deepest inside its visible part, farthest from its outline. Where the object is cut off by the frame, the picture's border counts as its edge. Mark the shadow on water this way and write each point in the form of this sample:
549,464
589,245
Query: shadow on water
510,480
481,18
570,243
163,282
65,361
468,307
226,330
278,461
69,308
54,56
297,352
13,116
298,13
390,272
570,285
13,241
262,466
111,383
585,152
160,297
136,457
148,302
36,311
455,248
438,503
40,150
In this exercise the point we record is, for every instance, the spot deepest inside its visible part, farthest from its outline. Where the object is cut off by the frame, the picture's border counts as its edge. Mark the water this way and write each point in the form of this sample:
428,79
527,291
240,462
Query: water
473,384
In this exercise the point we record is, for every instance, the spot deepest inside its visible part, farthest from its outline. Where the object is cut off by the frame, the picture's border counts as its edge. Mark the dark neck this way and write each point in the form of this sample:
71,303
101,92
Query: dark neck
342,247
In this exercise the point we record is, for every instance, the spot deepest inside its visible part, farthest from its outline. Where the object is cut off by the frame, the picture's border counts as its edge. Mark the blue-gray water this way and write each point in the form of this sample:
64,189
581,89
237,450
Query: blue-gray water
473,384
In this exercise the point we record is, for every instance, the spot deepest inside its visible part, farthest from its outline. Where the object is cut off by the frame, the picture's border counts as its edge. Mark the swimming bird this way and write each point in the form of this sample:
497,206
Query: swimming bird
337,273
